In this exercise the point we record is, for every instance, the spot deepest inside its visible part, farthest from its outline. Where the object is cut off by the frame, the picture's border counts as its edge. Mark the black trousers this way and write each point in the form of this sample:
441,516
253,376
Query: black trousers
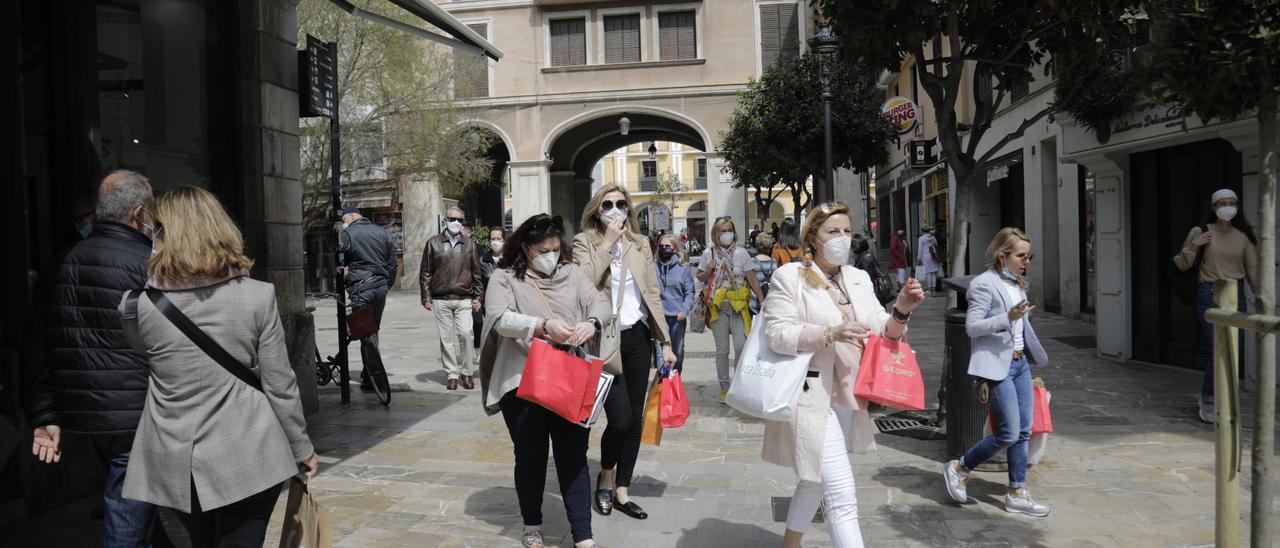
377,298
241,524
532,428
620,443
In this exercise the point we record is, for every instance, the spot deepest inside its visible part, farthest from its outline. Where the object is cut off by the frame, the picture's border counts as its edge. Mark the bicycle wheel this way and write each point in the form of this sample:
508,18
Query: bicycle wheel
377,373
323,373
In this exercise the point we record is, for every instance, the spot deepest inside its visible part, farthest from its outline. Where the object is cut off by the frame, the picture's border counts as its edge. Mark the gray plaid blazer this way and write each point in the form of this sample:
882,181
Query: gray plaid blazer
201,425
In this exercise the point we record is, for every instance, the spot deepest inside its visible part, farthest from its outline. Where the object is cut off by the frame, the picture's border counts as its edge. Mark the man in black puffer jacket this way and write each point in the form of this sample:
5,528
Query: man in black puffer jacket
79,372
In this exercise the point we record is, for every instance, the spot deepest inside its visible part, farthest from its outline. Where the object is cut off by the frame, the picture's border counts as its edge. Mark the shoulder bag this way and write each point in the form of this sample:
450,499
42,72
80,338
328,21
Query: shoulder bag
193,332
767,384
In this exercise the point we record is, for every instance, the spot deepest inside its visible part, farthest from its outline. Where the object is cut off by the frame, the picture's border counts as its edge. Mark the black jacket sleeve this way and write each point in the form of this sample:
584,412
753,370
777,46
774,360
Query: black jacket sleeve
36,389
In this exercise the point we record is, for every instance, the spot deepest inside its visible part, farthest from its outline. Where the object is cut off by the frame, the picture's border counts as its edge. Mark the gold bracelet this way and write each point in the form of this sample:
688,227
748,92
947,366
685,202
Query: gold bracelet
827,336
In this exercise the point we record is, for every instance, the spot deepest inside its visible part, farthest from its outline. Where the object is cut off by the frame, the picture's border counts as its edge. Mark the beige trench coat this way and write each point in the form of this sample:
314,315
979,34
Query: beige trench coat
796,314
595,260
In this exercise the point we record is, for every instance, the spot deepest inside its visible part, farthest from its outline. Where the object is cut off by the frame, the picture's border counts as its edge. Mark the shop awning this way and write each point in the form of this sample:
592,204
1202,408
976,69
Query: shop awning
460,36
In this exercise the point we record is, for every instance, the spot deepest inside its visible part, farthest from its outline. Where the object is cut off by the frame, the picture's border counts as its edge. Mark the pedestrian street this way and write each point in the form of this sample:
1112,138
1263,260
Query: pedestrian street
1127,465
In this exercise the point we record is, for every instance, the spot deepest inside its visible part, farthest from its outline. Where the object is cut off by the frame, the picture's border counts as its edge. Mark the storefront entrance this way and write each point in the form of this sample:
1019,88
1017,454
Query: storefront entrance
1168,195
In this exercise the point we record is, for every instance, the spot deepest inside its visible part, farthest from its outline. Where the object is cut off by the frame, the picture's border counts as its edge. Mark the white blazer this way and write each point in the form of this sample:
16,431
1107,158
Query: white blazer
990,335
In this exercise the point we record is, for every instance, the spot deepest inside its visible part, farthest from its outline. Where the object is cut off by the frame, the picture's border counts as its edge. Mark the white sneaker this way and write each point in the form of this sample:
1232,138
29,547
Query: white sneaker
1025,505
1206,410
955,482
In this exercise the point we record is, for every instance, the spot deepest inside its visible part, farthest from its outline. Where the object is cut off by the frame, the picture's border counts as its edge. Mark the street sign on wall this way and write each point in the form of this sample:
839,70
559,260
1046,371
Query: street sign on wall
920,154
318,79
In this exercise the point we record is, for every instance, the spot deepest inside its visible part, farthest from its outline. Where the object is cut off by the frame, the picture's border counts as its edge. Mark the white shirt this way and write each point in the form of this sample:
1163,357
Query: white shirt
740,263
632,303
1016,295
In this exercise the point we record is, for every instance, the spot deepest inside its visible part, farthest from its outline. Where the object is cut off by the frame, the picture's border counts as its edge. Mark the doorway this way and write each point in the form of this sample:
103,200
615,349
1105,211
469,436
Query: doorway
1169,195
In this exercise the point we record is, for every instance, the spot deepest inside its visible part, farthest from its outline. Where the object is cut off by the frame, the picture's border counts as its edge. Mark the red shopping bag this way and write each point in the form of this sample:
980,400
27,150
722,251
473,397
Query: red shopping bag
674,406
559,381
1041,421
889,375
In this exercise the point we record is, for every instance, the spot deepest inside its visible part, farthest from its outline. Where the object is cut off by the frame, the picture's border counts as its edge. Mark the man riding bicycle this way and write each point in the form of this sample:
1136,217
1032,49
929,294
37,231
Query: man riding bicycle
370,254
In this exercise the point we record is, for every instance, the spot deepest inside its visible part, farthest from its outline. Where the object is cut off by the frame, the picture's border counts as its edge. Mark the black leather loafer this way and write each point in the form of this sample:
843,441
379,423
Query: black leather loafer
604,499
631,509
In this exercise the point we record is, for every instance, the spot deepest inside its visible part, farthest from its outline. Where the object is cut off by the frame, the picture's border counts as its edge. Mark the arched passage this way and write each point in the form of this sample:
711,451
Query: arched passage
483,201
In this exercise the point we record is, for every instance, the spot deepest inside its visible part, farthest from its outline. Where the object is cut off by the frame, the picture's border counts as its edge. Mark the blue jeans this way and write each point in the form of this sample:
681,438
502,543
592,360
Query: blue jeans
676,330
125,522
1204,301
1010,402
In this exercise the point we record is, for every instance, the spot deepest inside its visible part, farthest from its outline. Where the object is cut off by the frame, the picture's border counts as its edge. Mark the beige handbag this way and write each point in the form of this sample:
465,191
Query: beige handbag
610,349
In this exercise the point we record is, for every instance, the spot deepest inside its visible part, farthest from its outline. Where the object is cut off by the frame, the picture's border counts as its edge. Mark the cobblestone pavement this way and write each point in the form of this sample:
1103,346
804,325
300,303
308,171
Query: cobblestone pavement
1128,465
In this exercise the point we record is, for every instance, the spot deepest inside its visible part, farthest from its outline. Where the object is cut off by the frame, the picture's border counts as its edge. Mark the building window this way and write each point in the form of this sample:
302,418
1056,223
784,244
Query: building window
678,35
568,42
622,38
779,34
648,175
700,181
471,72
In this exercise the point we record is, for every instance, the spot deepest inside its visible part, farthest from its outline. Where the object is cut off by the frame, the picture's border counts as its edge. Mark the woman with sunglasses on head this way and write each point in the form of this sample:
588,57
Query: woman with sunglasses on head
536,291
678,291
1002,349
728,271
618,261
823,305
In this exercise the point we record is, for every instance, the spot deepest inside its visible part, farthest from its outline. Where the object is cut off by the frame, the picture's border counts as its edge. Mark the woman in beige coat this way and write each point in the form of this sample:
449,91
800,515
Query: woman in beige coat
608,246
537,292
209,444
825,306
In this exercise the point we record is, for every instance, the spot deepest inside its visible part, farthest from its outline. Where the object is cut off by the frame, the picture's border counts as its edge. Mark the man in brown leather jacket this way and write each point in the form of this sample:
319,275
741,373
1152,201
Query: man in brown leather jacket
451,283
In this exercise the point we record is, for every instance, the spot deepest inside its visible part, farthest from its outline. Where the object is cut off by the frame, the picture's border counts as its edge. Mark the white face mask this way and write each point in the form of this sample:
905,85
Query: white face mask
726,238
613,215
345,225
1227,213
546,262
454,227
496,246
836,250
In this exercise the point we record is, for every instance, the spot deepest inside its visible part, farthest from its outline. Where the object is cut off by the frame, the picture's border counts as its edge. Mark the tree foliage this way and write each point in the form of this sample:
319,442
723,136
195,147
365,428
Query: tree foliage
774,141
395,107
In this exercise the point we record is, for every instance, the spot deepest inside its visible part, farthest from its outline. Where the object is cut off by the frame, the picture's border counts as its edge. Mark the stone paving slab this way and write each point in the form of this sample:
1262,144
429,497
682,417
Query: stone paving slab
1128,464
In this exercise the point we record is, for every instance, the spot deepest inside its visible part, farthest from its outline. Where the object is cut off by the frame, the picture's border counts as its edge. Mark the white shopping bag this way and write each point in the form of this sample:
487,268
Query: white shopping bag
766,384
602,392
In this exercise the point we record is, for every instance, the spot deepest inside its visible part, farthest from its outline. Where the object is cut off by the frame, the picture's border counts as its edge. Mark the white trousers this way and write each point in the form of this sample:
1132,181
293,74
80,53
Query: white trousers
836,488
902,276
453,320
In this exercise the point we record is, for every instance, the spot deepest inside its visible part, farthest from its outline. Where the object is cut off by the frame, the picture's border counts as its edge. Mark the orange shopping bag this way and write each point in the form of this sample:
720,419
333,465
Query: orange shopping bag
889,375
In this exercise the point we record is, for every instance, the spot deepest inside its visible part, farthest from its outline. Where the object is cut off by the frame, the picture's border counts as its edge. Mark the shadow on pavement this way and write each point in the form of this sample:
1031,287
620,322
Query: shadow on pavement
714,532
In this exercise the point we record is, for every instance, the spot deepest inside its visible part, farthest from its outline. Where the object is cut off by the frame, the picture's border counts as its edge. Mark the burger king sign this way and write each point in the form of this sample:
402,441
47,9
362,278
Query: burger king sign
902,113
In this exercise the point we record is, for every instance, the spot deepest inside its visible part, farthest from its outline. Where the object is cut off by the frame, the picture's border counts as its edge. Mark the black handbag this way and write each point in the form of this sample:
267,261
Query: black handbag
1186,283
193,332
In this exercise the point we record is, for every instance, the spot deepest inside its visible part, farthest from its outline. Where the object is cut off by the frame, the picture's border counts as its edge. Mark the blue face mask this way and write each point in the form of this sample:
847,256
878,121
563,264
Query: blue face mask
1008,275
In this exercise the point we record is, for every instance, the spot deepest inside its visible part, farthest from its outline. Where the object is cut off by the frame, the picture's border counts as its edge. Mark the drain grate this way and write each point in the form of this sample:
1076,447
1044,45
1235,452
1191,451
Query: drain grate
782,506
910,424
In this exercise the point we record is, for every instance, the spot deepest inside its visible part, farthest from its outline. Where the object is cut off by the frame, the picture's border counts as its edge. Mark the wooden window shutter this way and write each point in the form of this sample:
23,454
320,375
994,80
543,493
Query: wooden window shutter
622,38
779,34
568,42
678,34
477,76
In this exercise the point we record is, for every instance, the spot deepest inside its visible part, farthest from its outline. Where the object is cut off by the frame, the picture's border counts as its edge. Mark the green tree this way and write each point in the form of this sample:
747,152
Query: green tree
774,140
997,43
665,194
395,103
1221,61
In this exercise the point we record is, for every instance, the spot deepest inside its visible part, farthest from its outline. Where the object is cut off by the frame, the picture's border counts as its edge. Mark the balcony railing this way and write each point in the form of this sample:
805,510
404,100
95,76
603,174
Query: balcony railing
700,183
648,184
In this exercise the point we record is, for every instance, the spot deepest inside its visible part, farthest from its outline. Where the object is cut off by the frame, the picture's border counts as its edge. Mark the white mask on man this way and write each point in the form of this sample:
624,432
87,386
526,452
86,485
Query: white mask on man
496,246
546,262
836,250
455,227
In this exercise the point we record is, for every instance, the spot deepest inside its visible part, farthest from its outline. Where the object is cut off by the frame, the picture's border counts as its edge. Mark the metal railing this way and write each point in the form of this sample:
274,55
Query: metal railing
1226,394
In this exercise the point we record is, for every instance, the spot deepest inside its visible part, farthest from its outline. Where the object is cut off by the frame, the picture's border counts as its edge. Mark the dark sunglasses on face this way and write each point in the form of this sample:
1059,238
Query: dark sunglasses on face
666,248
459,219
609,204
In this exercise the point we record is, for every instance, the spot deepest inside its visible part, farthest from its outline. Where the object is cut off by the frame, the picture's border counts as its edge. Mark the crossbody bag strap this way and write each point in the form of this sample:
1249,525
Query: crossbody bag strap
540,294
202,340
622,285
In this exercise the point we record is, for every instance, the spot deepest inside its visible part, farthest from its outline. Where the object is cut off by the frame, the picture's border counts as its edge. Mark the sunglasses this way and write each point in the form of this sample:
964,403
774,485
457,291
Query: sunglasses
666,248
459,219
610,204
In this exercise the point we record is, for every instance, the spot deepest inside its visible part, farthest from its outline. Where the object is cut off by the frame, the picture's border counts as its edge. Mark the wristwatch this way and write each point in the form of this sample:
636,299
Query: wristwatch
595,323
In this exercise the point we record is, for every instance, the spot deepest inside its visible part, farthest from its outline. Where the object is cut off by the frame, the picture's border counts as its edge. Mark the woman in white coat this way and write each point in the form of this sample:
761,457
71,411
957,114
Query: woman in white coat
823,305
930,265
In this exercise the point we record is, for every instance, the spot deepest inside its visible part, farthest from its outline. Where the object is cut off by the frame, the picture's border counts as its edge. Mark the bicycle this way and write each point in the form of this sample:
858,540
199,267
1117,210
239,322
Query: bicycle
327,370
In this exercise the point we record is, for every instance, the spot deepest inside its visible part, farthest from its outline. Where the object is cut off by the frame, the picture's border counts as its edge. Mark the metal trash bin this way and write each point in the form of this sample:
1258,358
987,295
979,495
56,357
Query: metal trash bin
965,414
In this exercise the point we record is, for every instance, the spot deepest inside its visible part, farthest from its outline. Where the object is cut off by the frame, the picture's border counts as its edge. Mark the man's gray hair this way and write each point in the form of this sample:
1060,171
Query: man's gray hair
121,191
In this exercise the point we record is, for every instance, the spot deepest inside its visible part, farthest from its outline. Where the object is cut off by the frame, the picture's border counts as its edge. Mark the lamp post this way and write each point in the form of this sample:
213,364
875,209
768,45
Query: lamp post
824,43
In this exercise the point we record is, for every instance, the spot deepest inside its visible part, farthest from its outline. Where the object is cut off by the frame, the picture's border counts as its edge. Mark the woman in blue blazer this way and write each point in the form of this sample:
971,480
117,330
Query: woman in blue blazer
1004,346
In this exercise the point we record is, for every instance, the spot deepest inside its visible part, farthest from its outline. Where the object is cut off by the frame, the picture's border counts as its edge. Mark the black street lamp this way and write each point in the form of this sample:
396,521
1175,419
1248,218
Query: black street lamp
825,44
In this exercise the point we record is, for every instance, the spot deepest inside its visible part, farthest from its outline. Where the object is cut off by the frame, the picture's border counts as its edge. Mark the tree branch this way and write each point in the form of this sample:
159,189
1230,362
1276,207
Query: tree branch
1015,134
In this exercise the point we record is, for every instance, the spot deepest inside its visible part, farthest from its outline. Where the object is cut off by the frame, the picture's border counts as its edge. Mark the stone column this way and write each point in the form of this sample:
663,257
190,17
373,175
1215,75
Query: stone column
722,198
420,199
272,187
530,190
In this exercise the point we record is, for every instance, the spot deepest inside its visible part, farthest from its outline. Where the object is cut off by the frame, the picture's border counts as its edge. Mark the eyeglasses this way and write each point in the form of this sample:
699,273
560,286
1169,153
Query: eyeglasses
610,204
1027,256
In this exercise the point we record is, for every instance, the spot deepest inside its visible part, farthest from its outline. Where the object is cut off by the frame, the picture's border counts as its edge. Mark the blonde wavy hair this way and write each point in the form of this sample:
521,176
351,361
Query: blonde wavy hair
590,219
195,236
809,231
1002,246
